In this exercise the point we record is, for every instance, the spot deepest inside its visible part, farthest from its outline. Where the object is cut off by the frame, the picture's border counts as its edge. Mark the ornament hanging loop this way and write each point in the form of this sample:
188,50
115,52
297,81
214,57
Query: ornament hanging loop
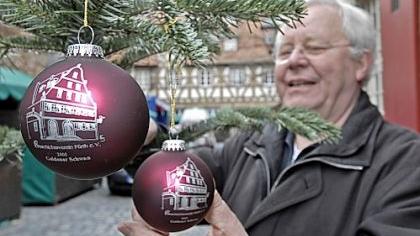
173,129
173,132
84,49
172,88
91,31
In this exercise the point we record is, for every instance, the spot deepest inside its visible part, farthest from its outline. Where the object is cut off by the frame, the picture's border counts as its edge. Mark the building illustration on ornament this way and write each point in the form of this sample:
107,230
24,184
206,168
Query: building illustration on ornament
63,109
186,190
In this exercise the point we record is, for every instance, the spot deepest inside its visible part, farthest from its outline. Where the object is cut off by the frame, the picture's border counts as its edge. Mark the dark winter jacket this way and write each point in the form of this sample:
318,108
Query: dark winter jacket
368,184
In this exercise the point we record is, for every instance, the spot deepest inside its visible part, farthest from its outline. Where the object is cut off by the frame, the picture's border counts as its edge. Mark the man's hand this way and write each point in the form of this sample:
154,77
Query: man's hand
138,227
222,220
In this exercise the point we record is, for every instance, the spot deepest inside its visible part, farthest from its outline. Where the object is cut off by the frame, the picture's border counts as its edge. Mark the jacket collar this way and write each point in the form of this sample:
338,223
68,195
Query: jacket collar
363,122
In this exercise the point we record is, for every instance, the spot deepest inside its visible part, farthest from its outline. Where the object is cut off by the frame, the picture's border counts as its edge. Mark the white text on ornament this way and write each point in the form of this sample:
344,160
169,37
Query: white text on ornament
55,159
75,159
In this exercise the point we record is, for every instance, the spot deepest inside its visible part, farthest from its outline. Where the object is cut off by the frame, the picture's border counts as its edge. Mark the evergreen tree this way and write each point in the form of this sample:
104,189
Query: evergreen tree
188,30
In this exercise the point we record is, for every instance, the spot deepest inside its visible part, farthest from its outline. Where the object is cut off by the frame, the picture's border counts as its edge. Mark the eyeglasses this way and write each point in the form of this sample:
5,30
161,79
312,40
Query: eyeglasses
309,51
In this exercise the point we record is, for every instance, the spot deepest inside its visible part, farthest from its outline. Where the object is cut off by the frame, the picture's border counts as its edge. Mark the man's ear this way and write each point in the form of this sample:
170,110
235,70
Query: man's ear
363,66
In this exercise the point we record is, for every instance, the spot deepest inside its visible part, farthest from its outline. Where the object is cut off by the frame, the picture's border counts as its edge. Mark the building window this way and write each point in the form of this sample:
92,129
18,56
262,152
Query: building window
52,128
68,128
68,95
66,110
60,93
35,126
61,109
54,108
143,78
395,5
269,37
78,87
230,45
177,77
268,77
237,76
45,107
74,75
204,77
69,84
78,97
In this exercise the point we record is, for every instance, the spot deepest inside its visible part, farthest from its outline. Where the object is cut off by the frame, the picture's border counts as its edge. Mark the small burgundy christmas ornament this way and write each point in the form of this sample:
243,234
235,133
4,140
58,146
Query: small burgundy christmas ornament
173,189
84,117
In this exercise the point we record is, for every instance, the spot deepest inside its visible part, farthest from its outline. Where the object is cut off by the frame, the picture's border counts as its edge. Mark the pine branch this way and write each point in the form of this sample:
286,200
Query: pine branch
134,54
30,43
146,41
187,29
307,124
299,121
249,10
184,45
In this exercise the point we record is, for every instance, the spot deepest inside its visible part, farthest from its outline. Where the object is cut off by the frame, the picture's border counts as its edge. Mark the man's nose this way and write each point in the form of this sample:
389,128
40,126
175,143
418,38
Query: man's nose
297,58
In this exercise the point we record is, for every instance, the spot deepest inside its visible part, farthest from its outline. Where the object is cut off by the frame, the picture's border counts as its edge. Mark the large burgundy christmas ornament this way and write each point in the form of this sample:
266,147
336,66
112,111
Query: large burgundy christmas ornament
173,189
83,117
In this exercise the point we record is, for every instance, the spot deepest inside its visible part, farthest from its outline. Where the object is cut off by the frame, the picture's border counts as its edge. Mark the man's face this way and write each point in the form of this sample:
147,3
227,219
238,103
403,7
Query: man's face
314,68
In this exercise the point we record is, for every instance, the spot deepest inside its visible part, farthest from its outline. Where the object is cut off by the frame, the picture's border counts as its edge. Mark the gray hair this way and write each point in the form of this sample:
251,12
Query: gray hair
357,26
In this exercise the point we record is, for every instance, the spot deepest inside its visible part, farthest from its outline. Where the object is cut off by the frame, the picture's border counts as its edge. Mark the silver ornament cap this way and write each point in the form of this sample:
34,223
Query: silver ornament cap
173,145
85,50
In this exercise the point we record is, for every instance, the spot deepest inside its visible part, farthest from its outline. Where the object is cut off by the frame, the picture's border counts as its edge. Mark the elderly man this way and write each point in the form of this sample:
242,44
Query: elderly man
278,183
